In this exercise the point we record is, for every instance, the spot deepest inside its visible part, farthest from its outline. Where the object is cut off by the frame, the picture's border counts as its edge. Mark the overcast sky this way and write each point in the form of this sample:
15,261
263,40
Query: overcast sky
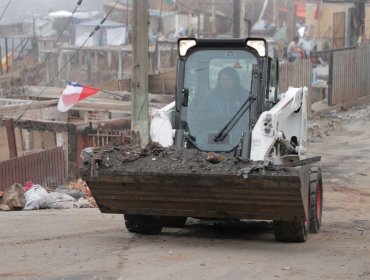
24,10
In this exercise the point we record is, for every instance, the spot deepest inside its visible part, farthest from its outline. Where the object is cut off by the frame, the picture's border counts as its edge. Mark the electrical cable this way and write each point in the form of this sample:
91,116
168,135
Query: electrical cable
6,7
97,27
61,33
55,43
186,7
198,11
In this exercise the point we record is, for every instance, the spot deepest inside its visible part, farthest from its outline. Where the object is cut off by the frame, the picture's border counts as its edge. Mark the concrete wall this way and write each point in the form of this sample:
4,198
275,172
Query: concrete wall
324,26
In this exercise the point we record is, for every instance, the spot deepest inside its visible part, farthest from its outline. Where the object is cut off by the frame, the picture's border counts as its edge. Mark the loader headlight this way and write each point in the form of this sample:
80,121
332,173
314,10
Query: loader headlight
259,45
183,45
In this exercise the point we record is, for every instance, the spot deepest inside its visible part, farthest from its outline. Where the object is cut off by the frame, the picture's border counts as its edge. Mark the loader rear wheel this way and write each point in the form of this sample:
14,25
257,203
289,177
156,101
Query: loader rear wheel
171,221
316,197
144,224
287,231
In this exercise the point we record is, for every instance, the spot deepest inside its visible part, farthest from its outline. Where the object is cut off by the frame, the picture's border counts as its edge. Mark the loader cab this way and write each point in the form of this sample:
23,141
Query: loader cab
220,81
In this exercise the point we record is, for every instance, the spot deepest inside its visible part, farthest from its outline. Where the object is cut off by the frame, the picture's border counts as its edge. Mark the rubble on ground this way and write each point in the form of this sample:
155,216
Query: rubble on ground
13,198
34,196
81,186
324,121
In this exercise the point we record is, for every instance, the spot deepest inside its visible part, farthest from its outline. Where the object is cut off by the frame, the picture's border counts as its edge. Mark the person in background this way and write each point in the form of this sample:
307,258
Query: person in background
307,45
294,51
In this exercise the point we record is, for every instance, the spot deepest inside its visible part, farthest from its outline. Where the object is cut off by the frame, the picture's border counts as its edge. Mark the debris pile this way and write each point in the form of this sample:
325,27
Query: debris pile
81,186
156,159
326,122
13,198
33,196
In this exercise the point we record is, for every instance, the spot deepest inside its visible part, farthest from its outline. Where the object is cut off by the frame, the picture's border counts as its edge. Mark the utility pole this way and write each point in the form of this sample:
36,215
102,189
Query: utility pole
213,19
236,18
140,81
291,21
243,32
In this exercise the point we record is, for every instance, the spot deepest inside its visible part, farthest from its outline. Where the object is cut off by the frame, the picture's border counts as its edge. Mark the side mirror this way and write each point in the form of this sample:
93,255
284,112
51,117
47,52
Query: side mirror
185,97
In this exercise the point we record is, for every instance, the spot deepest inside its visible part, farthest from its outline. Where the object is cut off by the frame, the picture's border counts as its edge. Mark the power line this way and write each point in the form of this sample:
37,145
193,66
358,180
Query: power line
6,7
61,33
55,43
186,7
97,27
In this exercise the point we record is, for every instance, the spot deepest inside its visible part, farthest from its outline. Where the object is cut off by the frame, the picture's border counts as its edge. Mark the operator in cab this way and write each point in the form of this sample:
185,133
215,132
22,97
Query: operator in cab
228,93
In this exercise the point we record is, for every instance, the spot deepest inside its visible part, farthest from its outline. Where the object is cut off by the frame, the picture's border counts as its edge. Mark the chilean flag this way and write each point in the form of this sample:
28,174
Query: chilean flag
72,94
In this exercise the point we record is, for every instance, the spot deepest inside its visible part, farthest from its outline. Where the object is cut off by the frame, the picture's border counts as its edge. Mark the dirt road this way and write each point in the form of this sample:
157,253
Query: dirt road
84,244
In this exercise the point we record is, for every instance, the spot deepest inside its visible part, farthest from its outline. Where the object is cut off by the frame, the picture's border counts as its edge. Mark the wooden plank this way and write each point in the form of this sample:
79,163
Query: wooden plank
4,150
19,141
11,138
10,109
49,141
37,140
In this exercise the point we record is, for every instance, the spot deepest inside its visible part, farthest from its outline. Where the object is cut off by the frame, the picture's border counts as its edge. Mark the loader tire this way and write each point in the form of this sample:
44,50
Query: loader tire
316,199
287,231
172,221
144,224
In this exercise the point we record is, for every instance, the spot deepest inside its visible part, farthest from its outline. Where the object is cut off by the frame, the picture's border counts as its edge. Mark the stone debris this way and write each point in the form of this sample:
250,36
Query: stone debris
171,160
33,197
13,198
323,122
81,186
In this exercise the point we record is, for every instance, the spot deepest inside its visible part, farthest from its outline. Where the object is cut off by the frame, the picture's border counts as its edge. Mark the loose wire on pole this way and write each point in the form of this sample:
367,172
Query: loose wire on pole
97,27
6,7
55,43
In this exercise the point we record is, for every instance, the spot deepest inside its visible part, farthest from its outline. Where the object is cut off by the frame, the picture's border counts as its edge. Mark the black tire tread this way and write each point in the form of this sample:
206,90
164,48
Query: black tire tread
315,223
287,231
172,221
144,224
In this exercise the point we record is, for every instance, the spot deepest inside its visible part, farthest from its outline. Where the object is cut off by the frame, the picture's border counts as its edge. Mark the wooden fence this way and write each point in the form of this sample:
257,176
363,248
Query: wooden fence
102,138
295,74
350,77
46,168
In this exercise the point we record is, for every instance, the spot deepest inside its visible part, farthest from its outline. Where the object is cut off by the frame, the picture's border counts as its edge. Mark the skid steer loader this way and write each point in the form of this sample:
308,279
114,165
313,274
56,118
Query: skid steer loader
249,146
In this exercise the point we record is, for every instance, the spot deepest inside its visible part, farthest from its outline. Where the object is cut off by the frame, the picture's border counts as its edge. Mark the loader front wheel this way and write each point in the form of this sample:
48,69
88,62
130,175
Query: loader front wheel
171,221
287,231
144,224
316,196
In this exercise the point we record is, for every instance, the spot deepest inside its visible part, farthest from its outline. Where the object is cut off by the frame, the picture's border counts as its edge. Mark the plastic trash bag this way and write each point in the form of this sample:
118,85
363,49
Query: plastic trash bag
58,200
36,198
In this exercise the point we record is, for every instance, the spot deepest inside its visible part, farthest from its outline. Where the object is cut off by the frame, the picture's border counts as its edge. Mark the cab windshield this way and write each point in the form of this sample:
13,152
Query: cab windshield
219,83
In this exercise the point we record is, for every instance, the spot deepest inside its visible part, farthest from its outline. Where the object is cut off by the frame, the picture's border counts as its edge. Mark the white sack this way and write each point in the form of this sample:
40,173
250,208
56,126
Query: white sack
36,198
61,201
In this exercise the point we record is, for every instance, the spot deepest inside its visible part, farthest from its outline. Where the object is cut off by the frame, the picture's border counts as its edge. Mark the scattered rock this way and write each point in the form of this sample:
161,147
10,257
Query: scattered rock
13,198
333,113
215,158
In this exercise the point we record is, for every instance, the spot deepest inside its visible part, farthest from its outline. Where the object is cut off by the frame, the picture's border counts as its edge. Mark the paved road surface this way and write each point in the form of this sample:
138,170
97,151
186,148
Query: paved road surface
85,244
